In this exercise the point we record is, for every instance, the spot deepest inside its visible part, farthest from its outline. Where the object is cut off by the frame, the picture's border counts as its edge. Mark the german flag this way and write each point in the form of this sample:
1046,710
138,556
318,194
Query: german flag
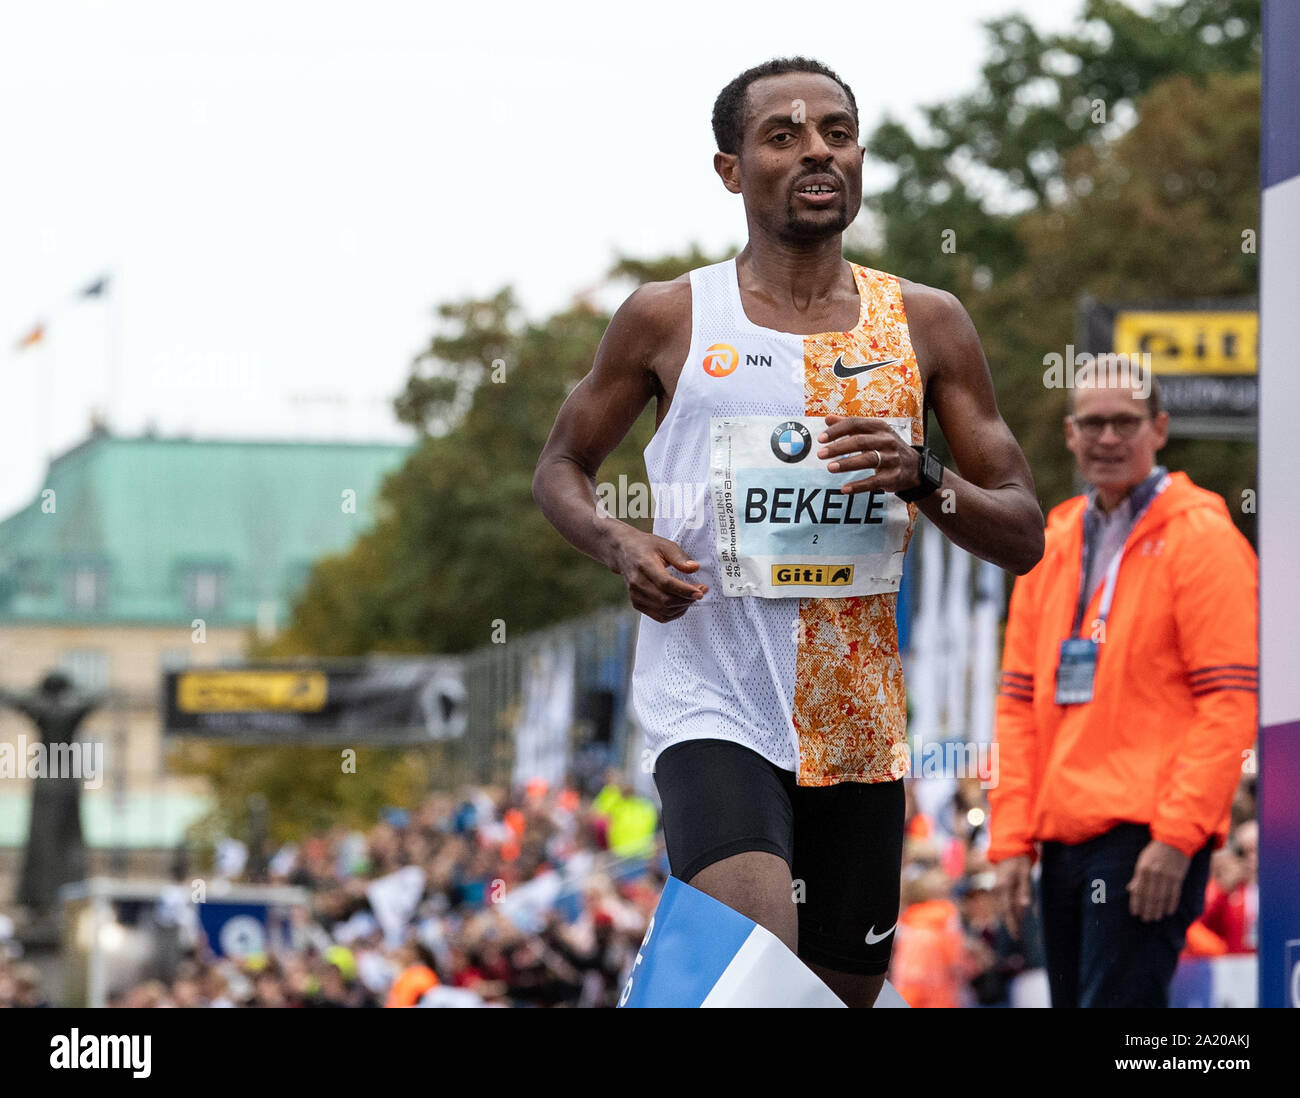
35,336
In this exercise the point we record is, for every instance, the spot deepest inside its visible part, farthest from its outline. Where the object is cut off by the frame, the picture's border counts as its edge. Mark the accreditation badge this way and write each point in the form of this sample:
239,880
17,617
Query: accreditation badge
1076,670
784,529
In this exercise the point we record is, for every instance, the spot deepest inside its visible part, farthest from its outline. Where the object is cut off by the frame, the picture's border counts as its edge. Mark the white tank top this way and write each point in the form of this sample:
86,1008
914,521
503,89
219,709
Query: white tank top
793,652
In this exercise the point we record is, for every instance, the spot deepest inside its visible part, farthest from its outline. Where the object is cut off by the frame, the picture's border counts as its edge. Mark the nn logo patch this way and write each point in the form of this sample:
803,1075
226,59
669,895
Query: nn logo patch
720,360
814,575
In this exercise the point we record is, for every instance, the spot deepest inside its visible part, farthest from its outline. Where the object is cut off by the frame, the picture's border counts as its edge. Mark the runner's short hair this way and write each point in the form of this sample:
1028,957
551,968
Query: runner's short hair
729,107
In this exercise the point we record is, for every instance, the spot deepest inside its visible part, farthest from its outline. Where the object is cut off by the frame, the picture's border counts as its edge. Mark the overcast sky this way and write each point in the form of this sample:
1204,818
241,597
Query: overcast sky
283,191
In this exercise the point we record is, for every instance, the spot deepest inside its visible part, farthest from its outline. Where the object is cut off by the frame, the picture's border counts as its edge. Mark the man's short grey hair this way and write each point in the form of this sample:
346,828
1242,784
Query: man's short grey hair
1154,404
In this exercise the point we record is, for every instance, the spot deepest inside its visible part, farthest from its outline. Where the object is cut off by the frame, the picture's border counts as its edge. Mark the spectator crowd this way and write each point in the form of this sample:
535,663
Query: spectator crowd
541,898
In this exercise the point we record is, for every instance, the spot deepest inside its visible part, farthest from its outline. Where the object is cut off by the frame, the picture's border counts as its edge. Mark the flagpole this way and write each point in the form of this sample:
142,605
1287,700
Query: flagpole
113,336
44,381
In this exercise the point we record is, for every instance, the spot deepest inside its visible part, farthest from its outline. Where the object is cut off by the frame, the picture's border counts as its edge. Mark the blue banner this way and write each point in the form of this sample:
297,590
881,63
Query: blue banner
698,952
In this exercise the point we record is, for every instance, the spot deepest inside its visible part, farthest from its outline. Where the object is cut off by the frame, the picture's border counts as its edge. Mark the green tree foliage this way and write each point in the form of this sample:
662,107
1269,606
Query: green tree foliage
458,544
666,268
1156,214
1046,202
306,788
999,150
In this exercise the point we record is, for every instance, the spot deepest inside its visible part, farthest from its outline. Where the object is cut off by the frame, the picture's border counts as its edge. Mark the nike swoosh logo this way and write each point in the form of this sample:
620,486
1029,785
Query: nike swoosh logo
840,370
873,937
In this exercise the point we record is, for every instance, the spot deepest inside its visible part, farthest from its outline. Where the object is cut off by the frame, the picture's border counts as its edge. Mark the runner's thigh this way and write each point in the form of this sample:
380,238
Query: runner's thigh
848,852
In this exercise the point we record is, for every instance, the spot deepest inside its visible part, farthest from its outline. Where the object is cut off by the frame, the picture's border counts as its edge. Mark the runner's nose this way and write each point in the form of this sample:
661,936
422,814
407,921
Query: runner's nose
816,148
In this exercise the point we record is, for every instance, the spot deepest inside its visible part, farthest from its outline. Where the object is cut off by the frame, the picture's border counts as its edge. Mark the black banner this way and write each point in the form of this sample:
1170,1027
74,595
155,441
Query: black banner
378,701
1204,354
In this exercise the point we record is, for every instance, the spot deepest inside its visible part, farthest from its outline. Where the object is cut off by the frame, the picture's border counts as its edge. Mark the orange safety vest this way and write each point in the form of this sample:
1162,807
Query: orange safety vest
927,968
410,985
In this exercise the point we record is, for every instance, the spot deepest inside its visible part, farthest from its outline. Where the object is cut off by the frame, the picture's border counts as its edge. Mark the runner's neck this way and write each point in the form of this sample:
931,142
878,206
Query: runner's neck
803,279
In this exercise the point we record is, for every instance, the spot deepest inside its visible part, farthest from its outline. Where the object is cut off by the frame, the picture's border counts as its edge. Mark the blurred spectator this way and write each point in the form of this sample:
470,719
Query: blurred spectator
930,964
415,979
1229,921
20,986
629,821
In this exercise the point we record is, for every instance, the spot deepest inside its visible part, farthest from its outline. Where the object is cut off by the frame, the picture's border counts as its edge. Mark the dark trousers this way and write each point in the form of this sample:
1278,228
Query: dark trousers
1098,954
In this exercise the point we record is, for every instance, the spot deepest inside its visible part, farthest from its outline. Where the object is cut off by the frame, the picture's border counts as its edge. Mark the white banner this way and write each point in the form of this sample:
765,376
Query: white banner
546,715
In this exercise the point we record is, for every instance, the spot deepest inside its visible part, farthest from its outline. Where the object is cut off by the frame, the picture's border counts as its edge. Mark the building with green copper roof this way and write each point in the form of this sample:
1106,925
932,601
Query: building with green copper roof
104,573
158,530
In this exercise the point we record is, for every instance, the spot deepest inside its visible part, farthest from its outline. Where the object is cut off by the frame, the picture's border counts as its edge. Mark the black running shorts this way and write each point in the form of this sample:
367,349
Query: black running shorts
844,842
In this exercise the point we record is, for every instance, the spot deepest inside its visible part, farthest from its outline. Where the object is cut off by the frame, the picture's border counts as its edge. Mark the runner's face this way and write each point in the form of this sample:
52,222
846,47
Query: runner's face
1109,461
799,131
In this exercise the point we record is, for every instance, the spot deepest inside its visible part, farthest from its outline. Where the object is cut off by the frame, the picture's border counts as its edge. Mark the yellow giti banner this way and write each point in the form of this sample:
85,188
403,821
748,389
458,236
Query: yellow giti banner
235,691
1188,342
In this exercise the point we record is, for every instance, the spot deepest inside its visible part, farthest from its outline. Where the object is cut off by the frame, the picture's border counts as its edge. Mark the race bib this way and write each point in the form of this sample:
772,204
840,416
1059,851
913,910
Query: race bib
784,528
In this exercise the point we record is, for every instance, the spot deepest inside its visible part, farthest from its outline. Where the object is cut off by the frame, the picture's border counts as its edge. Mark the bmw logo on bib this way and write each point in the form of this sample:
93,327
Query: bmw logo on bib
791,441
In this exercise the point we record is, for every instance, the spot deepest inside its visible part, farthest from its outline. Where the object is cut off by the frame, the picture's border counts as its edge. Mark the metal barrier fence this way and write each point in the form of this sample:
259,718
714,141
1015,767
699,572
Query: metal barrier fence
601,646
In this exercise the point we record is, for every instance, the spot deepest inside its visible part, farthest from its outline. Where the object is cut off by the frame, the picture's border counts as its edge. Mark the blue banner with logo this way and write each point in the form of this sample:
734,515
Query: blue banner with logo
236,930
698,952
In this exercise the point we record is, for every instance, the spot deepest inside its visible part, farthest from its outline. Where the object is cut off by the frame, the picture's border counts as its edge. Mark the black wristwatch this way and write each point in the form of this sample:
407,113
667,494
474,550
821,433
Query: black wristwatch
931,477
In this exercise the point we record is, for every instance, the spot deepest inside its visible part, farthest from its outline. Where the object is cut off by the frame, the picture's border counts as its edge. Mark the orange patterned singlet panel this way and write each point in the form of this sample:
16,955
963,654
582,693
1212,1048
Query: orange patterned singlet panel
850,705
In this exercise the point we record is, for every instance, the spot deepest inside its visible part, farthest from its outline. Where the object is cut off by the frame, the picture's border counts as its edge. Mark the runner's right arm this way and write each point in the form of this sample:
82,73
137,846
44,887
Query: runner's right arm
591,423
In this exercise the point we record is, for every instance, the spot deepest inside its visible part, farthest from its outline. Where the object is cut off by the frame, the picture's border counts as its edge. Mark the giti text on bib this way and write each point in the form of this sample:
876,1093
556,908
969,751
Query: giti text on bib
785,530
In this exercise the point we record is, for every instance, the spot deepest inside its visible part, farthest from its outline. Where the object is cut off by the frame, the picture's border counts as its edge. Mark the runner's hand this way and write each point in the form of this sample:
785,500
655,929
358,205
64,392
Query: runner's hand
643,561
848,444
1012,892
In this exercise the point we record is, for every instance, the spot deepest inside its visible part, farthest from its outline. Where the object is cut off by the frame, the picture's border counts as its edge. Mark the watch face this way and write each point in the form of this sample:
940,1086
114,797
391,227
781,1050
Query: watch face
933,470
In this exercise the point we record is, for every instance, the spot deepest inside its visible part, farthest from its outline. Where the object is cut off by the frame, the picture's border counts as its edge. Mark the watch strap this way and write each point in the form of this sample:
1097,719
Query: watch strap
929,484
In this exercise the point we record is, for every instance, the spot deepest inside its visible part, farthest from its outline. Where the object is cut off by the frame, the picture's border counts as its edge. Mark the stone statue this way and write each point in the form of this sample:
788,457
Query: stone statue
56,852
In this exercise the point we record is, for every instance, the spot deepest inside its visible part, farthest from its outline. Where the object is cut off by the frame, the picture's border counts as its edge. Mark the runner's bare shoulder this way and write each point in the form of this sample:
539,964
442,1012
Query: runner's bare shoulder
649,326
940,329
929,307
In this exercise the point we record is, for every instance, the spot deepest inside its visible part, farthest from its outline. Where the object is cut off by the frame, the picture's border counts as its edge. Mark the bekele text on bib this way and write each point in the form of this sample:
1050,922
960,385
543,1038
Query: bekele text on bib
785,530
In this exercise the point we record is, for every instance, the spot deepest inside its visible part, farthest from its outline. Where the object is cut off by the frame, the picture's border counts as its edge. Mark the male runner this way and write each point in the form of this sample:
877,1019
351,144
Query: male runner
770,686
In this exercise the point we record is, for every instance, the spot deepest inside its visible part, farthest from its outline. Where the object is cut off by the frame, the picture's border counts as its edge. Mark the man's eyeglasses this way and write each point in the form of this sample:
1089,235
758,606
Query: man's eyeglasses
1093,427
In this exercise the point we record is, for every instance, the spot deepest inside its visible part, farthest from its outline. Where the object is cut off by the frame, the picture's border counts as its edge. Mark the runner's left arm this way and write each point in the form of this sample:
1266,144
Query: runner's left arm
993,510
987,505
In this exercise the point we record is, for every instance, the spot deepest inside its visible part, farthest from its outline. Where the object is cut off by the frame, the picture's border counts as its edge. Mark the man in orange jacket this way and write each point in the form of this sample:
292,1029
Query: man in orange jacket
1126,708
